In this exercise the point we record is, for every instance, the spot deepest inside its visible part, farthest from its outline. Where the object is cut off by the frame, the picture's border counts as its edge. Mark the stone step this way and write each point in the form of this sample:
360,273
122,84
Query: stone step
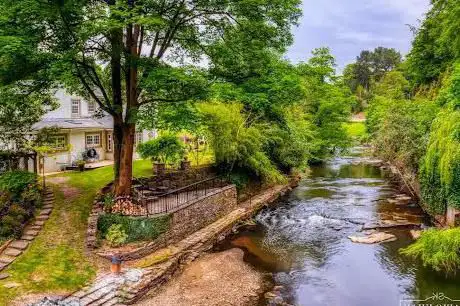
106,299
6,259
4,275
42,217
48,206
45,212
35,227
31,233
19,244
39,223
12,252
27,237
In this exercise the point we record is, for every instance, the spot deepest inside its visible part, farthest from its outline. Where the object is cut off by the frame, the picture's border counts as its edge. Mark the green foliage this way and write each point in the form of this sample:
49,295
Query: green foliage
237,142
327,105
108,200
436,45
403,134
136,228
440,171
20,196
437,249
166,148
116,236
356,130
15,182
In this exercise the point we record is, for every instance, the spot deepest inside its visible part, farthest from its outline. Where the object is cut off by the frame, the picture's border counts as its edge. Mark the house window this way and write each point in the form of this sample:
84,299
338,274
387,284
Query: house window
59,142
75,108
93,140
138,138
91,107
109,142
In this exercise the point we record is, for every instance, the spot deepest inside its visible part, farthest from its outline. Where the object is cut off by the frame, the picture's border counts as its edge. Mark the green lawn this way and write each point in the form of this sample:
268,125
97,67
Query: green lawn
356,129
56,260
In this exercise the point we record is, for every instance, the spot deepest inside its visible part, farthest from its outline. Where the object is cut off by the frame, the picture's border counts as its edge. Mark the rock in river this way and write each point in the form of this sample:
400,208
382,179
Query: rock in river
373,238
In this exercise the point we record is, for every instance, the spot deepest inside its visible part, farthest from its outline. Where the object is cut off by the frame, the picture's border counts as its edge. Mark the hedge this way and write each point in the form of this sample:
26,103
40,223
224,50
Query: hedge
137,228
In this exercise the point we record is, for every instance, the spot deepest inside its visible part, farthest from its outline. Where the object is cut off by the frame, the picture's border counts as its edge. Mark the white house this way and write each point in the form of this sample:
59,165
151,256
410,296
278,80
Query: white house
81,133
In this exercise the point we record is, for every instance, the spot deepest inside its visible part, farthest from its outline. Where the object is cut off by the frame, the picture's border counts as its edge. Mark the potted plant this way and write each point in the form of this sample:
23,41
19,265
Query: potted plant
164,149
80,164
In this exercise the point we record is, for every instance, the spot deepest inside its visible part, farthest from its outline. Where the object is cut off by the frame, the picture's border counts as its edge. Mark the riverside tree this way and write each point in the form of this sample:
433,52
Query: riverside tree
127,54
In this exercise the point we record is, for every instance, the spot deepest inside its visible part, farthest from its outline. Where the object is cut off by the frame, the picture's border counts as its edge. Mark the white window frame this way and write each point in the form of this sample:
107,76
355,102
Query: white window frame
75,103
60,145
90,140
109,142
91,107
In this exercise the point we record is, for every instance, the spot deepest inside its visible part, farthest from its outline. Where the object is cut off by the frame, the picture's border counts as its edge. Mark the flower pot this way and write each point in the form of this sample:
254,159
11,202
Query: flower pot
115,266
159,168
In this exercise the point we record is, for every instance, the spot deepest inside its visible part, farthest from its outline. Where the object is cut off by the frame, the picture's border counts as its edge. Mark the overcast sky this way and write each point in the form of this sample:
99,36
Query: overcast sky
349,26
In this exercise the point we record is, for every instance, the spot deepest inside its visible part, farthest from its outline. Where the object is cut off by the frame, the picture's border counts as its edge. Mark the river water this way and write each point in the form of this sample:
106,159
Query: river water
303,241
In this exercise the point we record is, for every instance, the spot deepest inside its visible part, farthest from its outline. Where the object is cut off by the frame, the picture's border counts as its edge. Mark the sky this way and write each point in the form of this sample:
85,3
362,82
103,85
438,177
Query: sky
349,26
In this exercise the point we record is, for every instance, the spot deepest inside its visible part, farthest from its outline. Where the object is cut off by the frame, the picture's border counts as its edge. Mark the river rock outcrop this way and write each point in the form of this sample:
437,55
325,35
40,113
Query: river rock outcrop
373,238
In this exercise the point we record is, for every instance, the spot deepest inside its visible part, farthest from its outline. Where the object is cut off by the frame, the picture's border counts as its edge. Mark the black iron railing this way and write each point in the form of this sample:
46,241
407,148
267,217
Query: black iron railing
157,202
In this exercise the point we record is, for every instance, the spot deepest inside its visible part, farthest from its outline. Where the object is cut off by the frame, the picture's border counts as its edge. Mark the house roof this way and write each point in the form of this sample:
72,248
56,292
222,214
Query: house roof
75,123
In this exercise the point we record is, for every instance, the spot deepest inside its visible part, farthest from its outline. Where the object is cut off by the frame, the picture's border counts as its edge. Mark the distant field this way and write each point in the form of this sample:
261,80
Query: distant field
356,129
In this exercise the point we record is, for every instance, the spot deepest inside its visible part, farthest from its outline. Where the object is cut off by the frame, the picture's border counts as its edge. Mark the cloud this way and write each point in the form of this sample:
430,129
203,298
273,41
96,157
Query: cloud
349,26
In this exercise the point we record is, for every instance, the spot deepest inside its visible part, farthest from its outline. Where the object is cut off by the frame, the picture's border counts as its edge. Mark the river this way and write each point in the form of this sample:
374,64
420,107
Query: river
303,241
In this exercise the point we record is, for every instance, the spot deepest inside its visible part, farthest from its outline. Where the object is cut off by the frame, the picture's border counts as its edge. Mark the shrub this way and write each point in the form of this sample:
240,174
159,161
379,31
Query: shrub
10,226
116,236
136,228
438,249
108,201
15,182
19,195
166,148
235,143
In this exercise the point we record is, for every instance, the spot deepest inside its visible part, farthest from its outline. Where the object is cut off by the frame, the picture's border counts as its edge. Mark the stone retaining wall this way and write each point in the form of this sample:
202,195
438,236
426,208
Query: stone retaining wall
201,212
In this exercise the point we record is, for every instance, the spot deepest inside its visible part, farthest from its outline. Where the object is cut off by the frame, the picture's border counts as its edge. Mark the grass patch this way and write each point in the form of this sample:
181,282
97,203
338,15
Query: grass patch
56,260
438,249
154,258
137,228
356,129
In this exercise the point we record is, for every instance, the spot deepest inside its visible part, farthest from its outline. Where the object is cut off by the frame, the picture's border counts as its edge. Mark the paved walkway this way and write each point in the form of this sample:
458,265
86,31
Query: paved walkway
18,246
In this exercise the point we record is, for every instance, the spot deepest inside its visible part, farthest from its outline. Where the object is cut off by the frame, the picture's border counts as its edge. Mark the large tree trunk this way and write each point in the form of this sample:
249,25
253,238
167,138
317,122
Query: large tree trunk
124,124
125,163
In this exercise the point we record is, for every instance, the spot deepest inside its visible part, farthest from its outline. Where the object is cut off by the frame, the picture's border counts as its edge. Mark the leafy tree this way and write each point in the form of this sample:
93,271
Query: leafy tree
327,102
166,148
436,44
236,141
19,110
370,67
127,54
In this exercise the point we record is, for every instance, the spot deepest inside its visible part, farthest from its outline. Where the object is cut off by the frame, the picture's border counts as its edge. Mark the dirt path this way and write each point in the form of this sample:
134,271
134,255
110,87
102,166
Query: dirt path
215,279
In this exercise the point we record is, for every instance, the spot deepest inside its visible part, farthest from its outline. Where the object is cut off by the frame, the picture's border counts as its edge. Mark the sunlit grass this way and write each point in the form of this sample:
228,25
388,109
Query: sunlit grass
356,129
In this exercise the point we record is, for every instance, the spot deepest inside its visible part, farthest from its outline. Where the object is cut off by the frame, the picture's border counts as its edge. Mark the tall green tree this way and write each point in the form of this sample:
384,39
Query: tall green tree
125,54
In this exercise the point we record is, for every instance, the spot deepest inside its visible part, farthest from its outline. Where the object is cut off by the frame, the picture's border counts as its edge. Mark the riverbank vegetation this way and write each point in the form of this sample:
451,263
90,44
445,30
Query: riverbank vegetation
413,119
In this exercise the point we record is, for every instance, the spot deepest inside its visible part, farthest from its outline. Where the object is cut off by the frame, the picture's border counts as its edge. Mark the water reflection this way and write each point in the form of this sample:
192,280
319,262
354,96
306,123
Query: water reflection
303,240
